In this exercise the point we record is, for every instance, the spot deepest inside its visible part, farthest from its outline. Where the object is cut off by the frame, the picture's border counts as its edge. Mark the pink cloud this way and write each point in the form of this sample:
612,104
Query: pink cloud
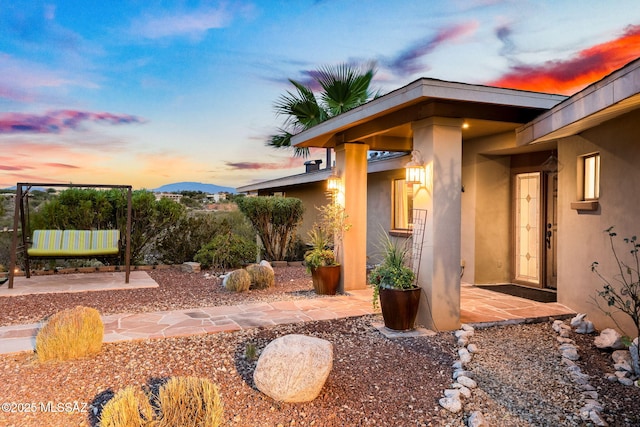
193,24
570,75
58,121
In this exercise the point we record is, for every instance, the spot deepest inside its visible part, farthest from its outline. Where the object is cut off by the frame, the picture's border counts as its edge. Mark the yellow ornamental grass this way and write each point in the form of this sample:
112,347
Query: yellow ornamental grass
190,401
262,277
238,281
70,334
130,407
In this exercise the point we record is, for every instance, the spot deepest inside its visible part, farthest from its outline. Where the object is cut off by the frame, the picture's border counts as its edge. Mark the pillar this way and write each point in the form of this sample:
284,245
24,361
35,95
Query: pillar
439,140
351,166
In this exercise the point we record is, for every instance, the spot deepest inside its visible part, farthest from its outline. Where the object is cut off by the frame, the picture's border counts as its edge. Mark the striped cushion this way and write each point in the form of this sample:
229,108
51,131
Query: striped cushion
104,242
76,242
45,242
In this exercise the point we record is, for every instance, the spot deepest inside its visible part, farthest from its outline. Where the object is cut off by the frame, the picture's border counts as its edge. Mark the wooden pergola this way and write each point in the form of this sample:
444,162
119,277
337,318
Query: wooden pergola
20,222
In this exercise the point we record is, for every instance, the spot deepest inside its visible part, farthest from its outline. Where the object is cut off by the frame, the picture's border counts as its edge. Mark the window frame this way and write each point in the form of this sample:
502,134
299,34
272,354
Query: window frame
408,192
589,183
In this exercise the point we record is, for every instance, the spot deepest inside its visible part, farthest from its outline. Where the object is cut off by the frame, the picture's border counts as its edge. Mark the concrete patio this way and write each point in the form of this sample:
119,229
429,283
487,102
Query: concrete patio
479,307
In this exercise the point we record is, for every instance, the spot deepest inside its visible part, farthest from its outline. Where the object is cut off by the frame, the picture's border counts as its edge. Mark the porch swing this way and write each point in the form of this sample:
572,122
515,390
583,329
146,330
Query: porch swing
66,244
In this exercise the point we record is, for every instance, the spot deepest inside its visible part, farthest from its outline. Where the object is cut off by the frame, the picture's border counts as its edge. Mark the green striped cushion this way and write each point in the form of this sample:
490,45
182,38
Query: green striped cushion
45,242
76,242
104,242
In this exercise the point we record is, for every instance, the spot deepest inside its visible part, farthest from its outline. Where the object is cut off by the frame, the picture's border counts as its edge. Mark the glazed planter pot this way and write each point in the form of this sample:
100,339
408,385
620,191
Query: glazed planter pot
399,307
326,279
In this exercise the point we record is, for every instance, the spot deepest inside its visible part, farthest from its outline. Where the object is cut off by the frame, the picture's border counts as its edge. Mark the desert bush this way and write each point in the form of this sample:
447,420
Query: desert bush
275,220
225,251
189,401
262,277
130,407
238,281
70,334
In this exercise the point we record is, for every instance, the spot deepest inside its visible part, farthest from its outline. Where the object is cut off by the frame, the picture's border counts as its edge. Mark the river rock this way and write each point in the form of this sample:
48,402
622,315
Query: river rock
609,339
266,263
476,419
294,368
451,404
466,381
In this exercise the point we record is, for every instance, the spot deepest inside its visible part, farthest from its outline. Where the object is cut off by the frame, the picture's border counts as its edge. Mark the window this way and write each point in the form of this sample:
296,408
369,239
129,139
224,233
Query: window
402,205
591,177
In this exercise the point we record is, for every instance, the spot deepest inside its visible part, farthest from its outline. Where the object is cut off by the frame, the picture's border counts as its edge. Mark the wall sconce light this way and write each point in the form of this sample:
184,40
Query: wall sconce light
415,170
333,183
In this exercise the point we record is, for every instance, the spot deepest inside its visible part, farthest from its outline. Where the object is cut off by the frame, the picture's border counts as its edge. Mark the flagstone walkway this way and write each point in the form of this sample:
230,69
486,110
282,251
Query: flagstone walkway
478,306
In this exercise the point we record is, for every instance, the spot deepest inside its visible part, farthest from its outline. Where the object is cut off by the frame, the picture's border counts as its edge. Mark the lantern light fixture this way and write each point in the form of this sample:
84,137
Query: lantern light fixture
415,169
333,183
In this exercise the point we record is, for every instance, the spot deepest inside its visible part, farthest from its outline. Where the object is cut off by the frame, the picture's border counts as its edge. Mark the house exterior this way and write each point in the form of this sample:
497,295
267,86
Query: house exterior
518,186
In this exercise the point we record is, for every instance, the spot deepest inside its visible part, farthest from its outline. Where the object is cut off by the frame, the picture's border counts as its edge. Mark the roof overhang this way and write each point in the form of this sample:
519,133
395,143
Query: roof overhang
385,123
613,96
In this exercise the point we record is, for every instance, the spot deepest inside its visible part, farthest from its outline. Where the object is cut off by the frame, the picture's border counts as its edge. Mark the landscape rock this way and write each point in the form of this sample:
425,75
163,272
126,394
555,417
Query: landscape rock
294,368
472,348
454,393
266,263
609,339
620,356
570,353
460,372
625,381
466,381
465,356
190,267
635,360
476,419
451,404
467,328
596,418
556,325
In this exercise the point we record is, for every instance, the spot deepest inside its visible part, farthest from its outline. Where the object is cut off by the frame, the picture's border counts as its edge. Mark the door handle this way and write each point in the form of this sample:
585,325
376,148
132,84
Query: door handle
548,237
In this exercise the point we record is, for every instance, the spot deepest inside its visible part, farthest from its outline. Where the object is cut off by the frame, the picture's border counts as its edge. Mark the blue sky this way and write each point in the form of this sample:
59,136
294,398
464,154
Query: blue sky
150,92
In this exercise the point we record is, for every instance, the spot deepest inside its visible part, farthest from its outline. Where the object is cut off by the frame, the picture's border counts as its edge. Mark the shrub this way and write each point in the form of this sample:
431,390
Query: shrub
238,281
262,277
189,401
129,407
275,220
70,334
225,251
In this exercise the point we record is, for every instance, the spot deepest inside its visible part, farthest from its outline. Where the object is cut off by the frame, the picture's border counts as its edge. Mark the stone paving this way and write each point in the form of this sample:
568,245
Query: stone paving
478,307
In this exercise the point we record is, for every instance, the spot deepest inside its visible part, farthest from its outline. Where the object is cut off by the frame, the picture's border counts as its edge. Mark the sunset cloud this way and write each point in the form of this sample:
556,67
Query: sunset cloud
58,121
570,75
408,61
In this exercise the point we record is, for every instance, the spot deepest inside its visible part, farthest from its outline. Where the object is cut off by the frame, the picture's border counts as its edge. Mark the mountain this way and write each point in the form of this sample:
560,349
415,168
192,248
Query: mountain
193,186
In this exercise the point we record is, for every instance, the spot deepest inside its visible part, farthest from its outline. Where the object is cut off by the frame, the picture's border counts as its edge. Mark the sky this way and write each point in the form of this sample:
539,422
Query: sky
148,92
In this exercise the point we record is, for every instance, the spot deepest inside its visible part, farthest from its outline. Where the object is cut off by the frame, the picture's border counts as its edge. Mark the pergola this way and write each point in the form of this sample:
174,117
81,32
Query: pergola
20,222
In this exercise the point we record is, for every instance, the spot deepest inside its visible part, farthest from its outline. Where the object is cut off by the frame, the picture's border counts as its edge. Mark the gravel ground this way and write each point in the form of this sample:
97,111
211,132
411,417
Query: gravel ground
374,382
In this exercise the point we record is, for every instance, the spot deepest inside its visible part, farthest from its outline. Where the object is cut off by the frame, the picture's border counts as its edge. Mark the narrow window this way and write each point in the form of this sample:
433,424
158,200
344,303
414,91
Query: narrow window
591,177
402,205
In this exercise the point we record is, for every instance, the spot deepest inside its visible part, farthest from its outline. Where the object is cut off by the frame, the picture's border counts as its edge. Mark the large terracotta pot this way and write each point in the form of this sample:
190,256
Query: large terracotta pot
326,279
399,307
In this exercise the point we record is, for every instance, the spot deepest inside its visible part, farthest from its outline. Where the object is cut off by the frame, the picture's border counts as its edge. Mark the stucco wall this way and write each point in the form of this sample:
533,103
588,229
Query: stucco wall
379,204
581,239
486,215
312,195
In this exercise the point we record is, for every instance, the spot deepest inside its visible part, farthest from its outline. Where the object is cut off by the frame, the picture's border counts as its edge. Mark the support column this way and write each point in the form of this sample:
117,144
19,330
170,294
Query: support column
351,167
439,140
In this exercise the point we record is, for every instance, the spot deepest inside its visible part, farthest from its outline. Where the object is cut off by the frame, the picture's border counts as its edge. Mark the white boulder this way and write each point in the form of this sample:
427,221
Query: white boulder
609,339
294,368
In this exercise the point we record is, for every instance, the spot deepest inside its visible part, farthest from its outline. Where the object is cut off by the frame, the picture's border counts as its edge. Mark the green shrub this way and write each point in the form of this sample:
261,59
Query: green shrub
70,334
275,220
226,251
190,401
262,277
238,281
129,407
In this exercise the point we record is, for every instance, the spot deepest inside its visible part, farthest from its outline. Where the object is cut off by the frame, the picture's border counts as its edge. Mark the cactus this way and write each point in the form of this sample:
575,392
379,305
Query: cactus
70,334
262,277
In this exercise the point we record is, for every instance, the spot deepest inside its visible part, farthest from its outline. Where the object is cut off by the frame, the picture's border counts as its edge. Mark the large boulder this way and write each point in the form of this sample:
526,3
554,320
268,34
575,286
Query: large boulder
609,339
294,368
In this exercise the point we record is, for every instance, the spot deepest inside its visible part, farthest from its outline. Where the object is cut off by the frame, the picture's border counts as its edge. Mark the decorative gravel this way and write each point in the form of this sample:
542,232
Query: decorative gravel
375,381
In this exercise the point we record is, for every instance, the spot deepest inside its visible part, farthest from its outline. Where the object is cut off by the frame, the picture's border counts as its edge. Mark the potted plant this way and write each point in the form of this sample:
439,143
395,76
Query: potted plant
325,239
393,284
321,262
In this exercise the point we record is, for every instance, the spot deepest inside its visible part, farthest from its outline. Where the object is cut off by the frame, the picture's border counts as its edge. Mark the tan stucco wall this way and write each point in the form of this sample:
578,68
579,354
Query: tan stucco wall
580,234
486,214
312,196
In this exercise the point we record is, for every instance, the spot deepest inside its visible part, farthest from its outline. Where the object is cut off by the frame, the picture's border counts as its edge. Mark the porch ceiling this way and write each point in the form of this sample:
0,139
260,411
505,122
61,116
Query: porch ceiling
385,123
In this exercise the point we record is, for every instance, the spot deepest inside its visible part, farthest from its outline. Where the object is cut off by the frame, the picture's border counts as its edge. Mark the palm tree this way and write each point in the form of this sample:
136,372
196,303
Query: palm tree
344,87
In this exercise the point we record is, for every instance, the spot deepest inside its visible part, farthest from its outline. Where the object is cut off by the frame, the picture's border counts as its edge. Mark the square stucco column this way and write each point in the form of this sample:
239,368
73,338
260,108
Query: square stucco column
439,140
351,166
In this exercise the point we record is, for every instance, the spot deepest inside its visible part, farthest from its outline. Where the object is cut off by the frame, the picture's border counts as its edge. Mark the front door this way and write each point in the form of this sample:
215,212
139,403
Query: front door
535,228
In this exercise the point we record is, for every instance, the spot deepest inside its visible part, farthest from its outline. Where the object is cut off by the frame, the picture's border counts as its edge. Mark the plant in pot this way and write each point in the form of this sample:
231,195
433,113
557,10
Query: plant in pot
393,285
325,239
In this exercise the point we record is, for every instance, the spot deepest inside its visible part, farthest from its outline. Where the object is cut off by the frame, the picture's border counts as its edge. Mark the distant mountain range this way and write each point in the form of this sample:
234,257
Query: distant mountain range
177,187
